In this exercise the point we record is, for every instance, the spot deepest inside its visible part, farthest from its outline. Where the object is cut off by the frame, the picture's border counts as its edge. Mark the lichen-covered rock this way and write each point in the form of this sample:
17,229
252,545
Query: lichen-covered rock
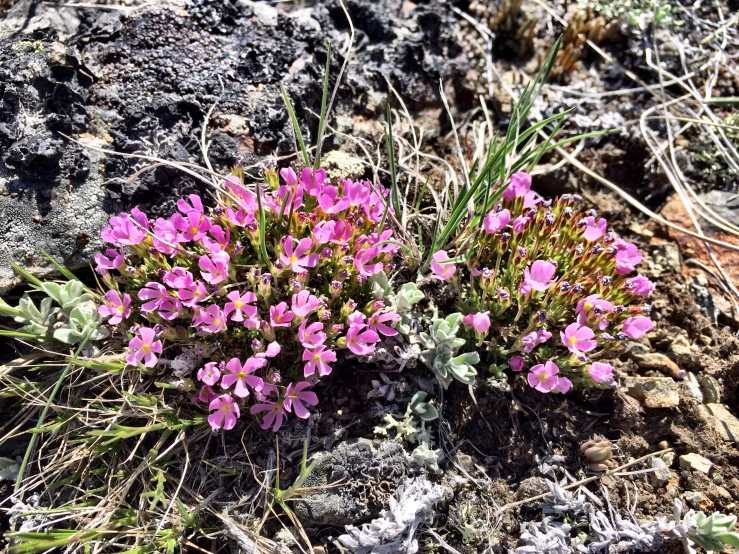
363,476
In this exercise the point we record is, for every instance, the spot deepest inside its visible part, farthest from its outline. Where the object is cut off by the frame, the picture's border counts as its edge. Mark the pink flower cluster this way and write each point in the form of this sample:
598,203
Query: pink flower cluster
550,288
200,276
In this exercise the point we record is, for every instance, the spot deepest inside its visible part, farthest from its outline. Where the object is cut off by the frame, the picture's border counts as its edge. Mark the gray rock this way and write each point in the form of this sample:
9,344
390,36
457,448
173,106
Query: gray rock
724,422
724,203
661,473
710,388
695,462
366,476
653,392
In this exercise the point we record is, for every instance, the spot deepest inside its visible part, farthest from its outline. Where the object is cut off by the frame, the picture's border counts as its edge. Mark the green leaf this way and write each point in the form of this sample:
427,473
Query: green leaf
296,125
322,118
67,335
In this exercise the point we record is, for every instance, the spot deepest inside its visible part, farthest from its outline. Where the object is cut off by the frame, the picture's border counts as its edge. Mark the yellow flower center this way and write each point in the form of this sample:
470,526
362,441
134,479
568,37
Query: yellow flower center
587,306
238,304
241,375
572,340
293,259
196,294
217,322
276,408
316,357
543,377
120,308
226,408
277,318
193,230
146,347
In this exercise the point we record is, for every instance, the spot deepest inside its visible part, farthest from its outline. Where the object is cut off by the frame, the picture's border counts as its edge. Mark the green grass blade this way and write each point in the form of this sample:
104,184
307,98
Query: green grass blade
322,119
296,125
45,411
390,146
25,274
262,234
60,268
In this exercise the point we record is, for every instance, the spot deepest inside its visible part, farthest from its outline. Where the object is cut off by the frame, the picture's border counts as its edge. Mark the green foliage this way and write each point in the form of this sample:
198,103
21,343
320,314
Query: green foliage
714,532
68,314
441,344
409,429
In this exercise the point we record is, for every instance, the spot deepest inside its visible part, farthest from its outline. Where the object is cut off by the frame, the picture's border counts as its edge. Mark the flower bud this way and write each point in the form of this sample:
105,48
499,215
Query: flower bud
348,307
265,285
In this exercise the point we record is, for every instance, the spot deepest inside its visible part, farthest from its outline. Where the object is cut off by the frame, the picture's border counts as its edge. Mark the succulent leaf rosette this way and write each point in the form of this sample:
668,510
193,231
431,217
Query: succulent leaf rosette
548,290
266,288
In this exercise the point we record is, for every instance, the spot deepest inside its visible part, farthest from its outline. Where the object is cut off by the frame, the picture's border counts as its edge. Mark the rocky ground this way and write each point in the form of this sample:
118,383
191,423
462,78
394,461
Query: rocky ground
141,79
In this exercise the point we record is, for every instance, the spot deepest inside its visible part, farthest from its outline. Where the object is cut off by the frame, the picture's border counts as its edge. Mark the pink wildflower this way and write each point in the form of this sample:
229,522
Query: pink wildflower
600,372
242,376
214,269
273,349
155,293
303,303
239,305
358,192
443,271
192,294
124,230
165,237
594,230
114,307
170,309
318,359
295,395
516,363
196,205
578,338
330,202
224,413
563,385
192,226
534,338
356,318
324,231
289,175
640,285
362,261
115,260
145,348
212,319
377,322
341,232
481,322
543,377
361,342
296,257
519,224
627,257
539,276
494,222
635,327
222,239
209,374
311,336
280,316
273,418
520,186
178,278
593,307
312,182
206,394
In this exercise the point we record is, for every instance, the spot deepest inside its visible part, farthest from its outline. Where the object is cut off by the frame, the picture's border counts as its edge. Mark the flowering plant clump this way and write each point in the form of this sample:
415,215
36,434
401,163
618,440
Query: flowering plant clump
549,290
250,302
